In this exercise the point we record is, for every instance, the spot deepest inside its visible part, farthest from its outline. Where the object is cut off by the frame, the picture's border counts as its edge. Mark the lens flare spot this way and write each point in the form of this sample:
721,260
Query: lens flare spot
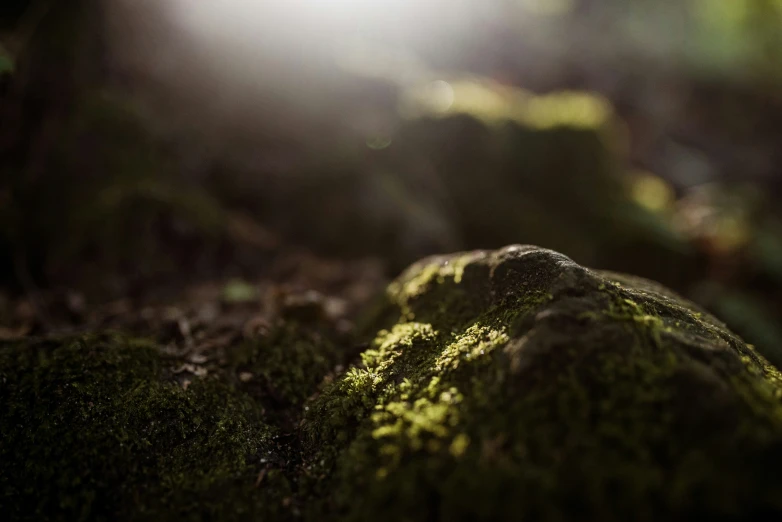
441,95
379,142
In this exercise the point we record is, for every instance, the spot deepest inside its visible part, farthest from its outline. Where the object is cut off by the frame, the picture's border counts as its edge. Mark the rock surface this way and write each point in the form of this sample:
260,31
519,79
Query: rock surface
497,385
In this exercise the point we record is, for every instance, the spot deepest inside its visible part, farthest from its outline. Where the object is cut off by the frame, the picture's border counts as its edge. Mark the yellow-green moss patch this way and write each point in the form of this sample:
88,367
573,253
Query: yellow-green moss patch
535,389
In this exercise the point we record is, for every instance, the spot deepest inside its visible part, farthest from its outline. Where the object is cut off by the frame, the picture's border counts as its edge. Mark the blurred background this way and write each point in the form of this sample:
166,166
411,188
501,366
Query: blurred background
152,147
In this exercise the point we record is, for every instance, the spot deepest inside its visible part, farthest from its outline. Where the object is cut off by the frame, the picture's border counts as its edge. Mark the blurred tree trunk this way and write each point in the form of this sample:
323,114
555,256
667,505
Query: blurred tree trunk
58,54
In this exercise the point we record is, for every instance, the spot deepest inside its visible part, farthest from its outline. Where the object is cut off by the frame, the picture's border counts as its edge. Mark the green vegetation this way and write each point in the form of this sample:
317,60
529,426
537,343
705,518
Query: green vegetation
142,162
513,384
559,395
95,427
284,367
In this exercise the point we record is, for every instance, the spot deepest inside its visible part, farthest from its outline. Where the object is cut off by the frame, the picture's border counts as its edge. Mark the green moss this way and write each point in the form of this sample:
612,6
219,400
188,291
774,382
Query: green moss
542,390
284,367
93,430
499,385
423,276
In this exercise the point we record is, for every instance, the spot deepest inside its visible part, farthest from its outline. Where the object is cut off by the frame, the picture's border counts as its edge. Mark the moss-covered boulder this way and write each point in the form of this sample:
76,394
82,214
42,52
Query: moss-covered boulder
518,385
496,385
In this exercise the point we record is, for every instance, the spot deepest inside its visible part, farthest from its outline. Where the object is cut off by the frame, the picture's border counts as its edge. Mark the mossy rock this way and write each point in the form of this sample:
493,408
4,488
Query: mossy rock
497,385
518,385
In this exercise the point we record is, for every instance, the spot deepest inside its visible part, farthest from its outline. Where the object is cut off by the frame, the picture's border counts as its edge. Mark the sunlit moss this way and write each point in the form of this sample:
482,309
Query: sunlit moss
417,280
415,285
530,388
476,341
388,345
556,387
